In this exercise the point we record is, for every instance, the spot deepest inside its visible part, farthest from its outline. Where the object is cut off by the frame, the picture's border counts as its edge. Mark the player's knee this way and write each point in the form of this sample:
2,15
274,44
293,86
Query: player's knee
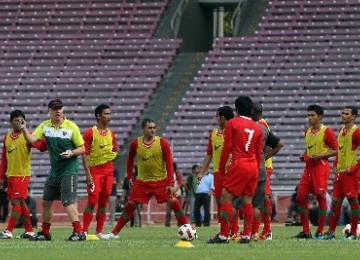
92,200
301,198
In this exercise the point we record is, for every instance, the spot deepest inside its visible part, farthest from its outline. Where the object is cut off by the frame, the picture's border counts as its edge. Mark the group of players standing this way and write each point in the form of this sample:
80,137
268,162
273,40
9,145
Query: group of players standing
238,148
98,148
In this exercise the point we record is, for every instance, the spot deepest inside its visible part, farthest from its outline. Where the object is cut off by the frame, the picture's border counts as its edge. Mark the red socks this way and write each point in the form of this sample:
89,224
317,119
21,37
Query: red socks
225,216
14,217
101,214
124,218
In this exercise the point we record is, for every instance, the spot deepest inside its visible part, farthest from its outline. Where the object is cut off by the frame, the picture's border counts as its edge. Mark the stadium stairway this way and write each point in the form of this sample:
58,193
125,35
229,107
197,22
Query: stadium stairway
166,99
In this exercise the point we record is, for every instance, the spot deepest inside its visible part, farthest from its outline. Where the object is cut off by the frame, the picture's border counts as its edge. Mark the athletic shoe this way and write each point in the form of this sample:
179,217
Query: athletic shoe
27,235
6,234
328,236
40,236
102,236
303,235
318,236
109,236
217,240
349,237
255,237
266,236
244,240
235,237
77,237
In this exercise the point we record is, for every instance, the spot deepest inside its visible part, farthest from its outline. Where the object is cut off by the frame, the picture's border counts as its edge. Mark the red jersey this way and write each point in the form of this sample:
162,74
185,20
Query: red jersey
243,138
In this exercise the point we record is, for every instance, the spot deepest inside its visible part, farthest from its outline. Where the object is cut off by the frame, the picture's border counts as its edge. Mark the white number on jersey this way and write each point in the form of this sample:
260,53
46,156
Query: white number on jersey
250,133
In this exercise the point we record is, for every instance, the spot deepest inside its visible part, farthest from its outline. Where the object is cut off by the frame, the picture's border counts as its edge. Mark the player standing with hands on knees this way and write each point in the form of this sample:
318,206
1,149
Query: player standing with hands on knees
243,139
155,175
65,143
100,151
320,144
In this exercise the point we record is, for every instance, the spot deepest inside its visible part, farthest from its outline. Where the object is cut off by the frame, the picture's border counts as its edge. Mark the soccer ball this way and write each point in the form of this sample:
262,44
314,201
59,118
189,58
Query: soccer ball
347,229
187,232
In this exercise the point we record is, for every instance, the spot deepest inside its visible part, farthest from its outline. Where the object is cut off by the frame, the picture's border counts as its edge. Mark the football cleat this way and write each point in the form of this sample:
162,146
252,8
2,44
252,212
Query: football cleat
40,236
217,240
244,240
27,235
102,236
349,237
109,236
77,237
318,236
303,235
6,234
266,236
255,237
328,236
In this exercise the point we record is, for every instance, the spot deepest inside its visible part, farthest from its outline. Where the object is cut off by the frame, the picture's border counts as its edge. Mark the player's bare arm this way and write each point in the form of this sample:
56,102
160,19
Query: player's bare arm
89,179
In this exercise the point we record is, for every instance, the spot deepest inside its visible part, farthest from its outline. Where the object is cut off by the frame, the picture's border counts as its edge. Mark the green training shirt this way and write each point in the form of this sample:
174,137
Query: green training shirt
58,140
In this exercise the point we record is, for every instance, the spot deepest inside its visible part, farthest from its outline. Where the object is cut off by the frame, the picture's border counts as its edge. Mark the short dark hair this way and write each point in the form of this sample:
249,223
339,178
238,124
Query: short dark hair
319,110
99,109
145,121
16,113
194,167
244,105
226,112
354,110
257,109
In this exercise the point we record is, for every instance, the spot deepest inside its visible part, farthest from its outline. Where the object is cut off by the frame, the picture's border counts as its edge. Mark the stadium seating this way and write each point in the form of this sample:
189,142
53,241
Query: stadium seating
304,52
84,52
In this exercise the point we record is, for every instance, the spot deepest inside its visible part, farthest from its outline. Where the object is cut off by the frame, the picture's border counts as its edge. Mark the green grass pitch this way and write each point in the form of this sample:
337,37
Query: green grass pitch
158,243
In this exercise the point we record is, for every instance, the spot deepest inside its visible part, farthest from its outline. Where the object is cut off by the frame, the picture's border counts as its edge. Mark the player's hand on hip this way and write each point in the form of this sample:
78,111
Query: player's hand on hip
89,180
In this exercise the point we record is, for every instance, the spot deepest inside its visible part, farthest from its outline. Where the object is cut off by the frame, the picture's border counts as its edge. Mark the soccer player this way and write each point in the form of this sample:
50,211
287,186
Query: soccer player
213,152
243,139
100,151
346,181
272,146
320,144
155,175
65,143
16,164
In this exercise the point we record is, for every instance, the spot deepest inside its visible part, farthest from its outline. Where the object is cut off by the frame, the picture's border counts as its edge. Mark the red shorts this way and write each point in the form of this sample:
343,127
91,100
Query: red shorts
345,185
241,178
217,185
269,172
103,180
144,190
314,179
18,187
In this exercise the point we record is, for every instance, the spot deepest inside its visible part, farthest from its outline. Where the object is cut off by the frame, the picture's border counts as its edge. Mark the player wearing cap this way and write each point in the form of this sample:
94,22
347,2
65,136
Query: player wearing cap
100,151
65,143
16,164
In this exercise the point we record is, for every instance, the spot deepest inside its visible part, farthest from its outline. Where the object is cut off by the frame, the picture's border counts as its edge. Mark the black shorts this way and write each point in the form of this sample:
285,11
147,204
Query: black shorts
61,188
